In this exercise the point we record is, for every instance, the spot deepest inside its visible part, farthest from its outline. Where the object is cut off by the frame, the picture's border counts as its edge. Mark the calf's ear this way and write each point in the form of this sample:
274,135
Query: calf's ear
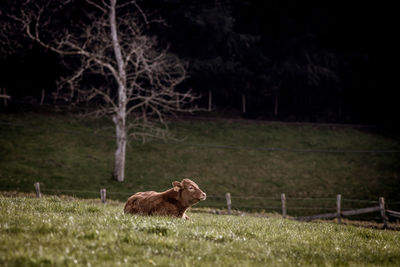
177,186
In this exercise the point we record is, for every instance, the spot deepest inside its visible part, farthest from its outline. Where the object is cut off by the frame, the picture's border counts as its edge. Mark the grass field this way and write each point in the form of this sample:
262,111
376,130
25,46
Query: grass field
74,156
56,231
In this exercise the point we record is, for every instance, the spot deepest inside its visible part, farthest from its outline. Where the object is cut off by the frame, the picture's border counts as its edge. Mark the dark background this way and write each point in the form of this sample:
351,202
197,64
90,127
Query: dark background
293,60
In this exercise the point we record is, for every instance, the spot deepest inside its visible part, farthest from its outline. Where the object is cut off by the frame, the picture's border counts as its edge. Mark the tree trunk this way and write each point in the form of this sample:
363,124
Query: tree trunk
119,164
120,116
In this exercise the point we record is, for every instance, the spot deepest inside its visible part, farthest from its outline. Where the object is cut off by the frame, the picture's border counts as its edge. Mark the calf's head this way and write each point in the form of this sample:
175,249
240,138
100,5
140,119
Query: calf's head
190,191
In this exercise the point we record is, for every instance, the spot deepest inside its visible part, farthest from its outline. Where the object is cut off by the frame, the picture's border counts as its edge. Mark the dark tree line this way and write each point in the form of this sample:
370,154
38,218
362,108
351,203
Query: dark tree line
291,59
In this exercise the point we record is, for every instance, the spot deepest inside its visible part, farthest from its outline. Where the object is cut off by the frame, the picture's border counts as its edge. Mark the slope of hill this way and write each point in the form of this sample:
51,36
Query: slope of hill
257,161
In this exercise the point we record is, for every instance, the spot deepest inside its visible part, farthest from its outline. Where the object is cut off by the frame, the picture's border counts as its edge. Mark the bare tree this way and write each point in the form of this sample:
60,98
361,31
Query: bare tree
115,65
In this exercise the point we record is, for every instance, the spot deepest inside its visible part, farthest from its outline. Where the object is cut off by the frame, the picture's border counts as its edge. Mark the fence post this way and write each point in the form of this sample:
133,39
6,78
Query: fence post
338,207
229,203
103,195
209,100
42,98
37,189
383,213
244,103
178,106
283,199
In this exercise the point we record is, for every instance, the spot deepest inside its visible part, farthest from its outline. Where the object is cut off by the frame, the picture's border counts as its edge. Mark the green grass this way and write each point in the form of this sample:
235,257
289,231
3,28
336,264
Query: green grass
67,155
71,232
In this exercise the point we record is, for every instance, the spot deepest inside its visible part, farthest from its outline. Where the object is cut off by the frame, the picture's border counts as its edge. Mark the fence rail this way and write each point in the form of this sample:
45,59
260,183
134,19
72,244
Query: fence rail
393,213
379,206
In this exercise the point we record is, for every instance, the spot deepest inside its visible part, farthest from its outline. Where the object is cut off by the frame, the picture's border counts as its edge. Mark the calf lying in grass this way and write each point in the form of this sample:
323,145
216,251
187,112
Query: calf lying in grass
173,202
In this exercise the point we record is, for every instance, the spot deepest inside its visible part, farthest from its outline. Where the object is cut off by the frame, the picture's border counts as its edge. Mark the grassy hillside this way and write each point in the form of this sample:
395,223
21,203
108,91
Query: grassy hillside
72,156
72,232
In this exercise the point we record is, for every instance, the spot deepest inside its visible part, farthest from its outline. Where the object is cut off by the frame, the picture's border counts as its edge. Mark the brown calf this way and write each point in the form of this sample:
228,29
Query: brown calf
173,202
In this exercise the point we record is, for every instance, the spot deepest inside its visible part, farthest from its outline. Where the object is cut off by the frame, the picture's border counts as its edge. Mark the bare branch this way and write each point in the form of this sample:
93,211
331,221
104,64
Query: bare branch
104,10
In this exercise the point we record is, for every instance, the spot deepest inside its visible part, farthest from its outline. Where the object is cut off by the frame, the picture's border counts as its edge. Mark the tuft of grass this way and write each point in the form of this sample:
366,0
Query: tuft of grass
72,232
68,155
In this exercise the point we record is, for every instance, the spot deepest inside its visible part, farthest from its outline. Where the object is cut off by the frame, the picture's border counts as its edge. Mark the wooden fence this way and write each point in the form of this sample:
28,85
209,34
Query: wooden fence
339,214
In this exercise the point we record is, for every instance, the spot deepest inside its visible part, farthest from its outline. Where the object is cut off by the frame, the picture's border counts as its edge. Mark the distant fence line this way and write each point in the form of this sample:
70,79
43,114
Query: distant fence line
230,147
337,212
44,96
